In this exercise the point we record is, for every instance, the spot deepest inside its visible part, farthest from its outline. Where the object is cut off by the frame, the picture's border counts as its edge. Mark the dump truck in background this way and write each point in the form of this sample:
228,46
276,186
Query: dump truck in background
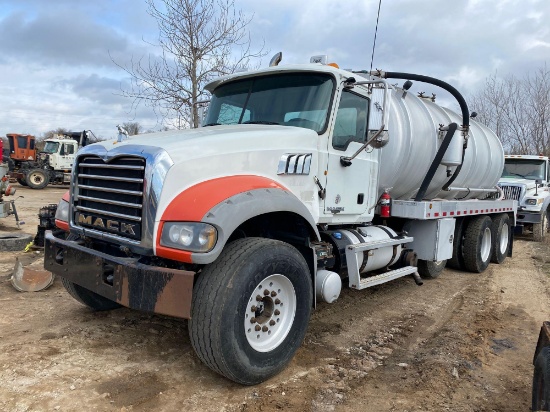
51,165
526,178
302,177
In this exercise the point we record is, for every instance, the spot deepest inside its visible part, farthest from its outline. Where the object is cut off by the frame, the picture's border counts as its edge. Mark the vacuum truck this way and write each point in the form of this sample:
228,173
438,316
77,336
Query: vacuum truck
303,178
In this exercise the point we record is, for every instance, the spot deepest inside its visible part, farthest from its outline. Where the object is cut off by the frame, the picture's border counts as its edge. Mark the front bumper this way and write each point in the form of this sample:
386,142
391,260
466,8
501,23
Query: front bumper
527,217
122,280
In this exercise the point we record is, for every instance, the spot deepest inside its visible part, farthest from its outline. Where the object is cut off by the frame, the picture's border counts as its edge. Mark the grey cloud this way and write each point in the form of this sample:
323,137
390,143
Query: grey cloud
98,89
60,39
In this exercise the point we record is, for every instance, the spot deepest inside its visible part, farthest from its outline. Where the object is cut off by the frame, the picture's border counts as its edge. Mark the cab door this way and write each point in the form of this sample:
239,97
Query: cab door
351,190
67,155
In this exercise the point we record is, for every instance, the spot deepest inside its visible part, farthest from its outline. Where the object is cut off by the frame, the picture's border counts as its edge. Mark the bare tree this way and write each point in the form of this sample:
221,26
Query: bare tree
518,110
199,40
51,133
132,128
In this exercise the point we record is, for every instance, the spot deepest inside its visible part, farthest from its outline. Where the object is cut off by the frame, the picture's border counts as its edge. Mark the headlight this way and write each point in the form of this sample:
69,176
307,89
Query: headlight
533,202
191,236
62,212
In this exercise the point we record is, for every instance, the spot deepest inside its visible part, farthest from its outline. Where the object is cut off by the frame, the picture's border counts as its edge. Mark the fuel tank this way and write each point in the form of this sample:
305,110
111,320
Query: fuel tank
414,138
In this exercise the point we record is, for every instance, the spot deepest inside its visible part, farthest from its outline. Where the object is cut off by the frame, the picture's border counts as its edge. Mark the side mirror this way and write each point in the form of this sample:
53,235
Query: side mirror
538,181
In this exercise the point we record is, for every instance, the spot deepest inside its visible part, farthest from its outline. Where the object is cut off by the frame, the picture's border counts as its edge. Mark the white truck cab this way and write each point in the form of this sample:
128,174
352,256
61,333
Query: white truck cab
526,178
61,152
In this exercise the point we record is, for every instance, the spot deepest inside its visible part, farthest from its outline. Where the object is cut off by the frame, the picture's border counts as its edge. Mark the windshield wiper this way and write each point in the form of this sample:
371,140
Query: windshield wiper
212,124
258,122
517,174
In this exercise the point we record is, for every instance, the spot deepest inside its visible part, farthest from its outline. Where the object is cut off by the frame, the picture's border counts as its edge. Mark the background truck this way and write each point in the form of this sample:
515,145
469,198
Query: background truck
22,149
52,165
302,177
541,374
526,178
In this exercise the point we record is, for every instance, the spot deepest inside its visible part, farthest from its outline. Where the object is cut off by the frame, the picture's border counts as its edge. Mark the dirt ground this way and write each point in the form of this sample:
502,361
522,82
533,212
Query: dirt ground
462,342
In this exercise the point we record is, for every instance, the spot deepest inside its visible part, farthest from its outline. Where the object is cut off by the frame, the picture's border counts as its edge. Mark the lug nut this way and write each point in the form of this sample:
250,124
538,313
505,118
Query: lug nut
258,298
277,301
253,308
252,320
277,312
257,328
271,322
265,329
273,294
266,292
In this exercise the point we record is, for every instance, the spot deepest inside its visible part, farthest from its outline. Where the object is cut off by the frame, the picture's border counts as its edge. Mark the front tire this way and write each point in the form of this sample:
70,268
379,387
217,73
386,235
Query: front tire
251,309
37,179
477,244
540,229
22,181
88,298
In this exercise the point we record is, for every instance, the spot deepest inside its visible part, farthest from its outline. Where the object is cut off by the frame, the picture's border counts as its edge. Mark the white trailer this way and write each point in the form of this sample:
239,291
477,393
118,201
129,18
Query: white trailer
302,178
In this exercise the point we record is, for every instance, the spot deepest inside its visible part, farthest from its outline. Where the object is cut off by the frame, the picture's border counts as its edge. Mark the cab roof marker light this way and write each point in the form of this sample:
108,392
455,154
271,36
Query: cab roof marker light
322,59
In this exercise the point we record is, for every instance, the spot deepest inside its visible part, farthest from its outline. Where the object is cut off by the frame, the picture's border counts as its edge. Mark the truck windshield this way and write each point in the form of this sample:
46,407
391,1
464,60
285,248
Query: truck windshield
527,169
294,99
51,147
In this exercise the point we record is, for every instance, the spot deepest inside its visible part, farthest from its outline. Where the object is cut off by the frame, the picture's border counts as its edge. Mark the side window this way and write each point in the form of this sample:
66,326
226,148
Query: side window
230,114
351,120
70,149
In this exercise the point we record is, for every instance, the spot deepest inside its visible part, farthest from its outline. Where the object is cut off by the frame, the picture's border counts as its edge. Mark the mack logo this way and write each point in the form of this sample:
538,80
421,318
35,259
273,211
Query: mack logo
106,224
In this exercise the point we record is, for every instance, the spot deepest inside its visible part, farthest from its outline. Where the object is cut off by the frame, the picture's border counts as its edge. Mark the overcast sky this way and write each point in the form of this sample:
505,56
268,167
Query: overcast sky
56,68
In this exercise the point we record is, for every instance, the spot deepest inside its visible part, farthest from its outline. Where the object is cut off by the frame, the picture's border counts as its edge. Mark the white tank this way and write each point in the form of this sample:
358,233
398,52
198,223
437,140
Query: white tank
414,139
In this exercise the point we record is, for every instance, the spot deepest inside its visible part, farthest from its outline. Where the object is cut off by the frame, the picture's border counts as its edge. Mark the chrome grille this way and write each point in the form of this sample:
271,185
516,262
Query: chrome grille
110,195
511,192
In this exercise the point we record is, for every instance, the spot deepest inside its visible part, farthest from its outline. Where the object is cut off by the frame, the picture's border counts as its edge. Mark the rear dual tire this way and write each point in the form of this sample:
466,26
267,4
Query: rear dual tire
480,240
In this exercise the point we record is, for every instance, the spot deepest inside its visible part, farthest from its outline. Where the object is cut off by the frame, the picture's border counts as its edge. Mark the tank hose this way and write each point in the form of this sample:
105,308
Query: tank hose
435,163
436,82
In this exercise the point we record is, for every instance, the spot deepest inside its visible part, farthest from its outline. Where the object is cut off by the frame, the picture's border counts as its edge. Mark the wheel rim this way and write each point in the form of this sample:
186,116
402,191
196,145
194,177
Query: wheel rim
270,313
504,238
486,245
36,178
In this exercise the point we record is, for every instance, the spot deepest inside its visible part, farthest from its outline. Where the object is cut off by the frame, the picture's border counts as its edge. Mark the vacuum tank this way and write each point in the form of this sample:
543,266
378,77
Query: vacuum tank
414,138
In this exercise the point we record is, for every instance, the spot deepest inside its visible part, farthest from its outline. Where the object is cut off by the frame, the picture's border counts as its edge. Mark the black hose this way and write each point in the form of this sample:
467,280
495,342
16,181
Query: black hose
446,86
465,121
435,163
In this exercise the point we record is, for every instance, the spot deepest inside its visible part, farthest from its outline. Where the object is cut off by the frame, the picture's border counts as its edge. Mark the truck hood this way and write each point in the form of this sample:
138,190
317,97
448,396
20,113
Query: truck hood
214,152
212,141
530,184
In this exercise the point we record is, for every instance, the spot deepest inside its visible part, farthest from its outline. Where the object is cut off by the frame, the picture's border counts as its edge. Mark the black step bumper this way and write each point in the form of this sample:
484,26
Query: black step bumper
122,280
